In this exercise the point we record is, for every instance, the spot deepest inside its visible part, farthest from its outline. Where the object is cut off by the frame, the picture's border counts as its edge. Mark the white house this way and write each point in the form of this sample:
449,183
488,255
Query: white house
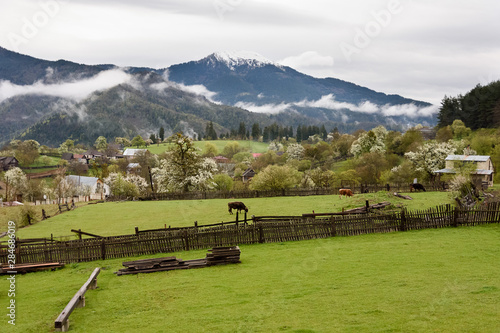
89,186
484,170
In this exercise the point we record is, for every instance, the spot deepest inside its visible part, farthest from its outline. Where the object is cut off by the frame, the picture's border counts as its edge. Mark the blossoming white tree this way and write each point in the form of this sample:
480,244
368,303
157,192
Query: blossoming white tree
370,142
16,181
295,151
130,185
275,146
184,168
431,156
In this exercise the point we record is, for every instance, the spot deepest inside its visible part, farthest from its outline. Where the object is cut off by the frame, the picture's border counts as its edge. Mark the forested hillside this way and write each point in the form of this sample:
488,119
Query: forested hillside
479,108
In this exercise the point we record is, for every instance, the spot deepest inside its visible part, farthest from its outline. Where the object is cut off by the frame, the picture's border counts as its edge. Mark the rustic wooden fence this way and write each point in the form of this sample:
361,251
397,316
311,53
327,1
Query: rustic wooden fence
261,230
362,188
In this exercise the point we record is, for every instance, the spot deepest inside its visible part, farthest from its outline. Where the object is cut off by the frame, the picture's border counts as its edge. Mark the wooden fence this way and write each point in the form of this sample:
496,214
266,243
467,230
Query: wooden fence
363,188
262,230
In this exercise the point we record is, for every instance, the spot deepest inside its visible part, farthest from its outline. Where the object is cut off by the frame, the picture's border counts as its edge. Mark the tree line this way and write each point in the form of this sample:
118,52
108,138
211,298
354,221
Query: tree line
265,134
478,108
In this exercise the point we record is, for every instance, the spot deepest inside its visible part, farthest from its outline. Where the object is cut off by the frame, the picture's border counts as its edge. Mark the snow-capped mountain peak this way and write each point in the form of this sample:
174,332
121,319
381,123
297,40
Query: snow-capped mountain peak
239,58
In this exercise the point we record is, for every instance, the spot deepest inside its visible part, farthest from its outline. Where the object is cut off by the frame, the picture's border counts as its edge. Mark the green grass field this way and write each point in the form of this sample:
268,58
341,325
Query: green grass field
438,280
117,218
250,146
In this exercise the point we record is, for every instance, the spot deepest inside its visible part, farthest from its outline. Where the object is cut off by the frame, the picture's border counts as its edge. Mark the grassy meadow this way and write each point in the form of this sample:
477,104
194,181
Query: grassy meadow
437,280
117,218
248,145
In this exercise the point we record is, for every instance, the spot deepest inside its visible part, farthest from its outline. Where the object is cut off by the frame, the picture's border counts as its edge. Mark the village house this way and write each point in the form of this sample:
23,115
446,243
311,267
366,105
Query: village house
130,152
134,168
89,186
8,162
92,154
67,156
483,168
248,175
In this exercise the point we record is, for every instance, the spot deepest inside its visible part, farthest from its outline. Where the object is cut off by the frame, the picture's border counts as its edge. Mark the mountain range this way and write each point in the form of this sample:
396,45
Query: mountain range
50,101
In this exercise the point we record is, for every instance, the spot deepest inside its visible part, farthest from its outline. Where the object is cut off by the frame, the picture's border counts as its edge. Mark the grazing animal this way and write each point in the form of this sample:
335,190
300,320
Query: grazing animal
417,187
239,206
345,191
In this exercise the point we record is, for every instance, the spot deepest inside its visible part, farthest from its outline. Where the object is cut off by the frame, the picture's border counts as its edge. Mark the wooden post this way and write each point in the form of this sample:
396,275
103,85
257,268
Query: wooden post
455,217
186,240
237,216
334,228
18,251
261,234
402,225
245,217
137,231
367,206
103,250
80,234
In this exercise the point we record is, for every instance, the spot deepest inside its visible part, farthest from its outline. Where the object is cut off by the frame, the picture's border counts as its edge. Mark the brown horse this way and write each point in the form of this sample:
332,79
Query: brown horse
345,191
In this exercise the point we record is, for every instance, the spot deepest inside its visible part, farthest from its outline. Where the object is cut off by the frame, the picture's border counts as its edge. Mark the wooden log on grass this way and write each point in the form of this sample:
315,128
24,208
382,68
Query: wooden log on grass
407,197
62,322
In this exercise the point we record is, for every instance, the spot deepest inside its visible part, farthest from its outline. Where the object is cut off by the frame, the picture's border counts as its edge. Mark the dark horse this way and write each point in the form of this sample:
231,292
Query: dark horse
417,187
239,206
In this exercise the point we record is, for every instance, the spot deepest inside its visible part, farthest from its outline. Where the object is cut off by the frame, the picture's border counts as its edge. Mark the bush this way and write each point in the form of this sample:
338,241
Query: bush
223,182
275,177
27,216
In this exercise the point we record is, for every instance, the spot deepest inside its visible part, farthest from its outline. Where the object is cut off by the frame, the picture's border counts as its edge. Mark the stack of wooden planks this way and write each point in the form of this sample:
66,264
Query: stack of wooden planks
152,265
28,268
218,256
223,255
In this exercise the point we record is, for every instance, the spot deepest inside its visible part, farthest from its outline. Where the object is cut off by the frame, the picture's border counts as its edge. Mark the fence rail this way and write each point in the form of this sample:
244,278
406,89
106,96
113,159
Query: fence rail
61,324
363,188
262,230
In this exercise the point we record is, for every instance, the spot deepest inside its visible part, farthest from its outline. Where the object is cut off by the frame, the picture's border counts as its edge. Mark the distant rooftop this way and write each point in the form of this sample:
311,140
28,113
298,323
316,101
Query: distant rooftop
132,152
82,180
471,158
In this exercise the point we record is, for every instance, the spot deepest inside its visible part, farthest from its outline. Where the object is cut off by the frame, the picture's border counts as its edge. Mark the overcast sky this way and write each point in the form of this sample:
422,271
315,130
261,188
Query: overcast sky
419,49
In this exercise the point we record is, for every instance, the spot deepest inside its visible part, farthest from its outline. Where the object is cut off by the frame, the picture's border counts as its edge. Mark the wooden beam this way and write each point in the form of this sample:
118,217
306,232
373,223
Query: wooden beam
85,233
62,322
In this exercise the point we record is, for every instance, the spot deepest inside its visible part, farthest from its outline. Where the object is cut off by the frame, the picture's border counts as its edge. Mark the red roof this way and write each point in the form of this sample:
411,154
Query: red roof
221,159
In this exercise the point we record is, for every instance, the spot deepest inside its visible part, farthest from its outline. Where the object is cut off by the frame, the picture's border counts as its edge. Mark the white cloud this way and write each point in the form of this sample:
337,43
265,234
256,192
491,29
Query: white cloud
74,90
307,59
329,102
428,50
197,89
70,108
410,110
266,108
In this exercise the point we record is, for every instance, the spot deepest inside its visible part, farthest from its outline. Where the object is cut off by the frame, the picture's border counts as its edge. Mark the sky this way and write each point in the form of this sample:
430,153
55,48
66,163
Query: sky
418,49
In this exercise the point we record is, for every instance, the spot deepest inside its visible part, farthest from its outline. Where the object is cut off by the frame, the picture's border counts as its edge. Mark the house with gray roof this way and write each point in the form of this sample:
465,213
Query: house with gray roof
483,170
130,152
8,162
89,186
